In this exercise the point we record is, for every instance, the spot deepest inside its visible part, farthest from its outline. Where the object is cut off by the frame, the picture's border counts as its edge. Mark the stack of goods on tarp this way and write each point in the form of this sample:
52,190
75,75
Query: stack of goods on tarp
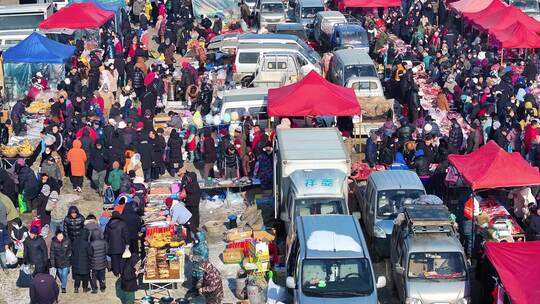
399,45
159,235
501,225
428,91
161,265
361,171
253,248
23,149
443,120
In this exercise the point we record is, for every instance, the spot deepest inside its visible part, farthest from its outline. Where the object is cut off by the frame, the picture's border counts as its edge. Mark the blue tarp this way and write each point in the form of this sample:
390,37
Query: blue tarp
36,48
108,5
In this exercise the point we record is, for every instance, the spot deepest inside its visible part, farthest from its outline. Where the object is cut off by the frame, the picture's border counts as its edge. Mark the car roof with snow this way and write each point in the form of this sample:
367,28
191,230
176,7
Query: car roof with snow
331,236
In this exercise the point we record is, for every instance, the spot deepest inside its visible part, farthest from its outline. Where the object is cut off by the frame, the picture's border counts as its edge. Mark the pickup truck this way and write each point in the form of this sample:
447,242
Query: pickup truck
335,31
376,109
277,69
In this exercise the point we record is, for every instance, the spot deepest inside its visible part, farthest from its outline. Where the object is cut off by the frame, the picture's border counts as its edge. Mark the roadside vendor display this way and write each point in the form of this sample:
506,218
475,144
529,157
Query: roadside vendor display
500,224
165,257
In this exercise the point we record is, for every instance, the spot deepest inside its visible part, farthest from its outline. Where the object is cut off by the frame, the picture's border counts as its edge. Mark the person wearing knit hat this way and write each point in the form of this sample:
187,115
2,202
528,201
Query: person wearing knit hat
35,249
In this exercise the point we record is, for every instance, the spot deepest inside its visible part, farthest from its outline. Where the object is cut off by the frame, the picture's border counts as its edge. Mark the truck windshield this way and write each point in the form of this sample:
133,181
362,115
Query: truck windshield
528,6
298,33
436,265
272,8
359,71
318,206
310,12
354,38
390,201
336,278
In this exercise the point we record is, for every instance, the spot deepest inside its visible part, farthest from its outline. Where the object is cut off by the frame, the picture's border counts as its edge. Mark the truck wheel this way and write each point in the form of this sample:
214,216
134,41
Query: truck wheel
247,81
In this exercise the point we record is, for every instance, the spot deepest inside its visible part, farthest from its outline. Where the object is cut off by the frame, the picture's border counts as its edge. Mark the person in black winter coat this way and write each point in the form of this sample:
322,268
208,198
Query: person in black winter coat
99,159
126,285
60,255
176,161
39,204
421,165
232,163
145,149
35,249
134,224
86,141
81,257
193,191
73,223
99,261
116,234
116,149
158,146
455,136
8,186
28,182
43,289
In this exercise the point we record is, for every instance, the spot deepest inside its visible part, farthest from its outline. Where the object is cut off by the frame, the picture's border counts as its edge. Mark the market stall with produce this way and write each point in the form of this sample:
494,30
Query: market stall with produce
164,245
35,54
490,167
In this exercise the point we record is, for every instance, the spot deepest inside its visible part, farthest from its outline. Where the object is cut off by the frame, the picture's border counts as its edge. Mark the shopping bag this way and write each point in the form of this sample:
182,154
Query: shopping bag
126,254
25,276
23,207
11,259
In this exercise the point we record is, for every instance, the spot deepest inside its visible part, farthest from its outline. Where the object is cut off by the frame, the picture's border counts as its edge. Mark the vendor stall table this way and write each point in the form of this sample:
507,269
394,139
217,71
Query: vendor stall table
501,220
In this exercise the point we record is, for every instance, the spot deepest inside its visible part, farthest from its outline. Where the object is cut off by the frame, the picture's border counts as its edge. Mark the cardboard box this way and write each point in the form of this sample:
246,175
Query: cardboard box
233,256
239,234
264,236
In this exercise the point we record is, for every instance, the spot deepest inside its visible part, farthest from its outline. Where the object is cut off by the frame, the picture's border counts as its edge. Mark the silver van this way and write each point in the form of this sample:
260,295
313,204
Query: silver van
350,63
248,101
428,262
328,262
380,202
247,57
305,11
269,13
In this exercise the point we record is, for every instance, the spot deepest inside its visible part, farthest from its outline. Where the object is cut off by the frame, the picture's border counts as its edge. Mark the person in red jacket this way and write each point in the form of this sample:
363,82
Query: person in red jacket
531,132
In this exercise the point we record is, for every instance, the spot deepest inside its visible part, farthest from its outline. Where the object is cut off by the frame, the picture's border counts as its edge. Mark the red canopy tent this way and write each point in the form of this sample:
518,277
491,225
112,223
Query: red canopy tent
344,4
471,6
502,19
492,167
77,16
518,268
517,35
492,8
312,96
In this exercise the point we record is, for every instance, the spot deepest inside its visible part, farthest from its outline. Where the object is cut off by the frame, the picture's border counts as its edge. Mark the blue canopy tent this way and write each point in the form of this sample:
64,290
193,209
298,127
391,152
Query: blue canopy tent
33,54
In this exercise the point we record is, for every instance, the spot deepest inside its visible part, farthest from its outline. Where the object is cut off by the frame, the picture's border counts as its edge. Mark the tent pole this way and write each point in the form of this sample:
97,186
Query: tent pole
269,125
502,55
360,140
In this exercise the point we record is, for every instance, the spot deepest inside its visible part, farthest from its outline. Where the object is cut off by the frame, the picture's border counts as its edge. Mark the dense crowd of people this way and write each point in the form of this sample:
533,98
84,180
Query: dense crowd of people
101,129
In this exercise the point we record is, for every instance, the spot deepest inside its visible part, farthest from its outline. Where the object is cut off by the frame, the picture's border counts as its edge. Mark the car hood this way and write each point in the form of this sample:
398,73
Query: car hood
371,299
438,292
387,225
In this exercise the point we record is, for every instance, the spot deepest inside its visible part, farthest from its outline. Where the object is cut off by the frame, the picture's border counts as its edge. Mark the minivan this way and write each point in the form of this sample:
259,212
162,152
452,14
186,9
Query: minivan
269,13
427,260
247,101
350,63
305,11
328,262
279,39
385,193
247,56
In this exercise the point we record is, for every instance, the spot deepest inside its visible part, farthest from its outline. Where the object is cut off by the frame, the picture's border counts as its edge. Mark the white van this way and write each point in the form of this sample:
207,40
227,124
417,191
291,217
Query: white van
19,21
246,101
247,56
